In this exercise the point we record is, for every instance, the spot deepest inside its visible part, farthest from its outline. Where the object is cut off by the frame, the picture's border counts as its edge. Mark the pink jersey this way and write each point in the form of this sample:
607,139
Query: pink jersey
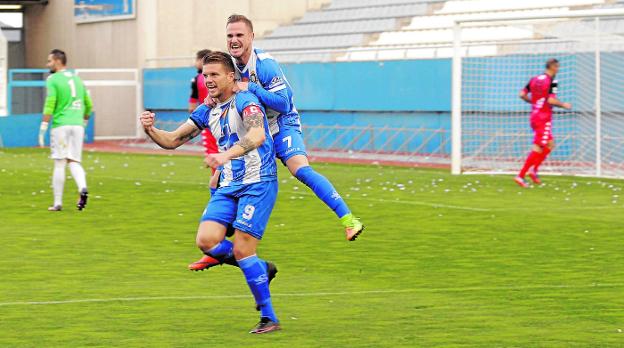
199,91
541,87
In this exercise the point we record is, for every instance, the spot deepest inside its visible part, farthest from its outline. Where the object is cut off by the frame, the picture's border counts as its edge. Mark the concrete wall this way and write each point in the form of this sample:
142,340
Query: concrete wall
91,45
201,24
162,28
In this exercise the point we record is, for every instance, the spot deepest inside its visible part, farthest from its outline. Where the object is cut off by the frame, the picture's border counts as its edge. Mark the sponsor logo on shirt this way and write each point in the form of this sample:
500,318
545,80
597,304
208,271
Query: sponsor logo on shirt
277,80
77,104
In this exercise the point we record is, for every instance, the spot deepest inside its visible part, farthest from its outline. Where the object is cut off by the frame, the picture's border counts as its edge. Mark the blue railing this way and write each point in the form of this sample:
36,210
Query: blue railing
12,83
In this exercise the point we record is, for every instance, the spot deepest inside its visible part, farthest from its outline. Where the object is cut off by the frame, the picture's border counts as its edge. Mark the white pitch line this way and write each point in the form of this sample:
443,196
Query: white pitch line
313,294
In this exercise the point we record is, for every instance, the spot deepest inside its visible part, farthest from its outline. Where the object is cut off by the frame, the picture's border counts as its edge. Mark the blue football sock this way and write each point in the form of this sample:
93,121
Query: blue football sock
255,272
221,251
323,190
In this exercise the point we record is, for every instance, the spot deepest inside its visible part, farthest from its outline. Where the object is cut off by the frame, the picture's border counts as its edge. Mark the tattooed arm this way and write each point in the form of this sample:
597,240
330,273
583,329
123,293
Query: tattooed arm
168,140
253,121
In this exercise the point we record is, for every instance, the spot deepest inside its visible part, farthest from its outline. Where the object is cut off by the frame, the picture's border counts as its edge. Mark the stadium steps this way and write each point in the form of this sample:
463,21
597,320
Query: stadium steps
409,29
469,6
343,24
425,33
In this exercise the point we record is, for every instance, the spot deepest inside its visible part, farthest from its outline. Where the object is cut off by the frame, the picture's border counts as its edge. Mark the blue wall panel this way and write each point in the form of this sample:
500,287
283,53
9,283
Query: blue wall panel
167,88
409,85
406,85
23,130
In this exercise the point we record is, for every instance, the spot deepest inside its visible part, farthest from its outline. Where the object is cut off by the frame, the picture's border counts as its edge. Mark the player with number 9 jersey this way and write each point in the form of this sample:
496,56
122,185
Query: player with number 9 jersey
225,122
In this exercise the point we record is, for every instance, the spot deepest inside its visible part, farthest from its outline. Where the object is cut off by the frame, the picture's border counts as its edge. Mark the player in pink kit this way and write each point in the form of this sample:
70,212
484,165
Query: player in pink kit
543,91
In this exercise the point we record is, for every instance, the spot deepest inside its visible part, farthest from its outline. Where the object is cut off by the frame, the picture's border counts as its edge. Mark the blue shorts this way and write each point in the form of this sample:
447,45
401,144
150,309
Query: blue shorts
288,142
245,207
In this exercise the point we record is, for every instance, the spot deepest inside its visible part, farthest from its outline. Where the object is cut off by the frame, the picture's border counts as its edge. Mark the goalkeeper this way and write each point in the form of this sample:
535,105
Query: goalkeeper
68,106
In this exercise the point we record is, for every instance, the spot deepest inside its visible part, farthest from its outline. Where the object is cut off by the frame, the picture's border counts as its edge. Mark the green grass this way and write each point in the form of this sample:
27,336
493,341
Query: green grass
467,261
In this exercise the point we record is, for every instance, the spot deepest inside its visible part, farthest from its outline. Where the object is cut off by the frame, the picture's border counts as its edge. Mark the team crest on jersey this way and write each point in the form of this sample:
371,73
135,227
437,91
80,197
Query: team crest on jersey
253,78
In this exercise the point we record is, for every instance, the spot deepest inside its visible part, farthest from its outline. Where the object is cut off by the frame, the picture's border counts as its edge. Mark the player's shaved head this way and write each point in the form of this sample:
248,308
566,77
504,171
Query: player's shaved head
552,66
56,60
199,57
59,55
552,62
236,18
202,53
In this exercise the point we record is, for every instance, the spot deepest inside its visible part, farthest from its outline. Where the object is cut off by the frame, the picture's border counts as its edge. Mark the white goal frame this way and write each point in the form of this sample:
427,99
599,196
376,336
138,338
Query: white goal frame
134,81
458,53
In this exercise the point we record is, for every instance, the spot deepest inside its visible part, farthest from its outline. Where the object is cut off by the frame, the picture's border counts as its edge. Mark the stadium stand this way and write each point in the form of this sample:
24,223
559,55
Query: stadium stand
349,30
344,24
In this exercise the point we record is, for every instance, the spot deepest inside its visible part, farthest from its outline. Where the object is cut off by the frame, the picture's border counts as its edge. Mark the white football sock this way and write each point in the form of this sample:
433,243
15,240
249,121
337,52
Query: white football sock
79,175
58,181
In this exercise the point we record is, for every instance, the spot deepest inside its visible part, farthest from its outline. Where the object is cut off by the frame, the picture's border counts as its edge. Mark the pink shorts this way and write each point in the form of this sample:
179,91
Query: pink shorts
543,133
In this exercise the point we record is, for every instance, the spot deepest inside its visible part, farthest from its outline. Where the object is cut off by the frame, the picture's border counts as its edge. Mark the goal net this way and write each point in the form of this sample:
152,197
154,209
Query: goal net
491,130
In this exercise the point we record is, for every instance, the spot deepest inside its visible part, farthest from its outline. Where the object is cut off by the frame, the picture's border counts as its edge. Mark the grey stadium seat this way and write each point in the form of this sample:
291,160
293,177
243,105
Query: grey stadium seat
351,27
392,11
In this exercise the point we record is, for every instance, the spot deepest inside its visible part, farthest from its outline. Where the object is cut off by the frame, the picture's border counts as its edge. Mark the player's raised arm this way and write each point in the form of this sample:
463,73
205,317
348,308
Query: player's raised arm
275,96
165,139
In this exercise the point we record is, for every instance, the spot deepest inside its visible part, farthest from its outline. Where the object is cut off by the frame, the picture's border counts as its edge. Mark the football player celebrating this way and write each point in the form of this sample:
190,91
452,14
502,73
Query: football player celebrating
248,177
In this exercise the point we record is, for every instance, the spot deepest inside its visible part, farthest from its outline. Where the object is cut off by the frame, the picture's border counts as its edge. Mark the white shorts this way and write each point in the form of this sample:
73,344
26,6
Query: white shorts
66,142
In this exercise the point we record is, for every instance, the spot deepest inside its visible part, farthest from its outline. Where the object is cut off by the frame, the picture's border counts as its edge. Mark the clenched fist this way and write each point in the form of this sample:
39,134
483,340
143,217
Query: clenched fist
147,120
215,160
209,101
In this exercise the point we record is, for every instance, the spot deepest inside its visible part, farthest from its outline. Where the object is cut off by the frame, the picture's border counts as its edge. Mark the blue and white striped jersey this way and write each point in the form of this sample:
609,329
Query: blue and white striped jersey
225,122
265,72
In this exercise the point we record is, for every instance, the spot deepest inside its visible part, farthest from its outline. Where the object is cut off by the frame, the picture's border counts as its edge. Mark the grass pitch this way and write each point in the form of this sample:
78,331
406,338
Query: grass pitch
445,261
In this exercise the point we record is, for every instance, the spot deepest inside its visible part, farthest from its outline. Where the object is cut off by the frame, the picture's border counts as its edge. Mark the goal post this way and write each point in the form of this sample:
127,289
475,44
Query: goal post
493,59
117,98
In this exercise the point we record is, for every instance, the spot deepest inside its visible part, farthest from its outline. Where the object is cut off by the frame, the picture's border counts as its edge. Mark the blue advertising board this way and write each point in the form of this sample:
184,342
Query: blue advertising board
86,11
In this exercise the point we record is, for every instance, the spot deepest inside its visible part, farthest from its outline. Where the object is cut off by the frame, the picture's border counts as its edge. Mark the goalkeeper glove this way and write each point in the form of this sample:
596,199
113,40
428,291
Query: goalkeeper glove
42,130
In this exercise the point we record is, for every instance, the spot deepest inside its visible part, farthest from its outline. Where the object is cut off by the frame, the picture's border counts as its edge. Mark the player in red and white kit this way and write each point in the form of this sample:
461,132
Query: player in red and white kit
199,92
543,91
